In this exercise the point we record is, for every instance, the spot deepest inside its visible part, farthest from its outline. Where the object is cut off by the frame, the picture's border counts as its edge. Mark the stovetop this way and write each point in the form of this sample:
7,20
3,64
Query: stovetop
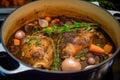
112,74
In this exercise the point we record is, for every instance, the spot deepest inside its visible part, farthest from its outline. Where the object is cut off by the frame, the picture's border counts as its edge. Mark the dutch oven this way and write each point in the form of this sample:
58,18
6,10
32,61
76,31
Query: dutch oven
69,8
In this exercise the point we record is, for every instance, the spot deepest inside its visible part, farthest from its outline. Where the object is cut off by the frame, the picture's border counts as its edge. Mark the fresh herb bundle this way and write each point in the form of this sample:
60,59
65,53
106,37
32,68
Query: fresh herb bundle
67,28
56,59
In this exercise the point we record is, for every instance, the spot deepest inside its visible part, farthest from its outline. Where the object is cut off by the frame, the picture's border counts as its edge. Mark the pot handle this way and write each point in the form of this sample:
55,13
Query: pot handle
10,66
113,12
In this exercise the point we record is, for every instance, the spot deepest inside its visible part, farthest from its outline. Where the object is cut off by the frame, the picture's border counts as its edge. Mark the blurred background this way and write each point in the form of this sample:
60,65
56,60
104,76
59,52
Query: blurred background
107,4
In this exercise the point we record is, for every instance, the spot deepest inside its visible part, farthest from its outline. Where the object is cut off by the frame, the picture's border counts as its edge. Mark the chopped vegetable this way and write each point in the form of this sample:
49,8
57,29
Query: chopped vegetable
36,32
98,44
27,55
31,24
95,25
97,49
19,34
83,58
23,54
48,19
110,55
43,23
55,20
87,28
78,56
16,42
71,64
91,61
108,48
66,28
49,30
37,41
76,24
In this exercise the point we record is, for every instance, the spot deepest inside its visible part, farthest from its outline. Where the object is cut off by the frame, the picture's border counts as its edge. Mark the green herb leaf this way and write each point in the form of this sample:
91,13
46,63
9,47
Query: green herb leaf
37,41
76,24
87,28
94,24
66,28
48,31
98,44
37,32
27,40
83,24
53,28
61,30
79,55
23,54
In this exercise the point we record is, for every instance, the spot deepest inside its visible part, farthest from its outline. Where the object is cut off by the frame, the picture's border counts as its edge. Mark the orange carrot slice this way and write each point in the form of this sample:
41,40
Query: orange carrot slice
55,20
16,42
27,55
110,55
108,48
48,19
95,48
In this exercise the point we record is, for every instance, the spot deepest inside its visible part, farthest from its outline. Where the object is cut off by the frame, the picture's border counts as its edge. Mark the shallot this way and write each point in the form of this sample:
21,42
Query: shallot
43,23
71,64
19,34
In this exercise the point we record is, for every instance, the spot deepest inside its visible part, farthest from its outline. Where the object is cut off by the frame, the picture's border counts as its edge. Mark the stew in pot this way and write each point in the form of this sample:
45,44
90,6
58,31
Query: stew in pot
61,44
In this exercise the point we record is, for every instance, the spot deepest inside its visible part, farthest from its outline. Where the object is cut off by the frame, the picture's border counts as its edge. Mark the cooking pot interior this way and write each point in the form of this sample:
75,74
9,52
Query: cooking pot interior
69,8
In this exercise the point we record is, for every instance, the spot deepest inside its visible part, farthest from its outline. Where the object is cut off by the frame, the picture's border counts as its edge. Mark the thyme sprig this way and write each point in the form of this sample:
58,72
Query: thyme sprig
76,26
56,59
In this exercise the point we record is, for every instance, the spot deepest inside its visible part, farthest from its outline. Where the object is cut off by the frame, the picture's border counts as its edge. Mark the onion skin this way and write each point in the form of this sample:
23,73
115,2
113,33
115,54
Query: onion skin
43,23
19,34
71,64
91,61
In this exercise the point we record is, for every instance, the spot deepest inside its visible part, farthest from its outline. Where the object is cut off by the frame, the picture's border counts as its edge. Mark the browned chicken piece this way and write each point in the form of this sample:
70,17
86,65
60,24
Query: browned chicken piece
76,42
71,49
39,51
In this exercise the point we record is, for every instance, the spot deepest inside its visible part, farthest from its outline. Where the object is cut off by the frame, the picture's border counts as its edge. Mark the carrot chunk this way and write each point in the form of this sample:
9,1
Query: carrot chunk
110,55
48,19
55,20
27,55
108,48
16,42
97,49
